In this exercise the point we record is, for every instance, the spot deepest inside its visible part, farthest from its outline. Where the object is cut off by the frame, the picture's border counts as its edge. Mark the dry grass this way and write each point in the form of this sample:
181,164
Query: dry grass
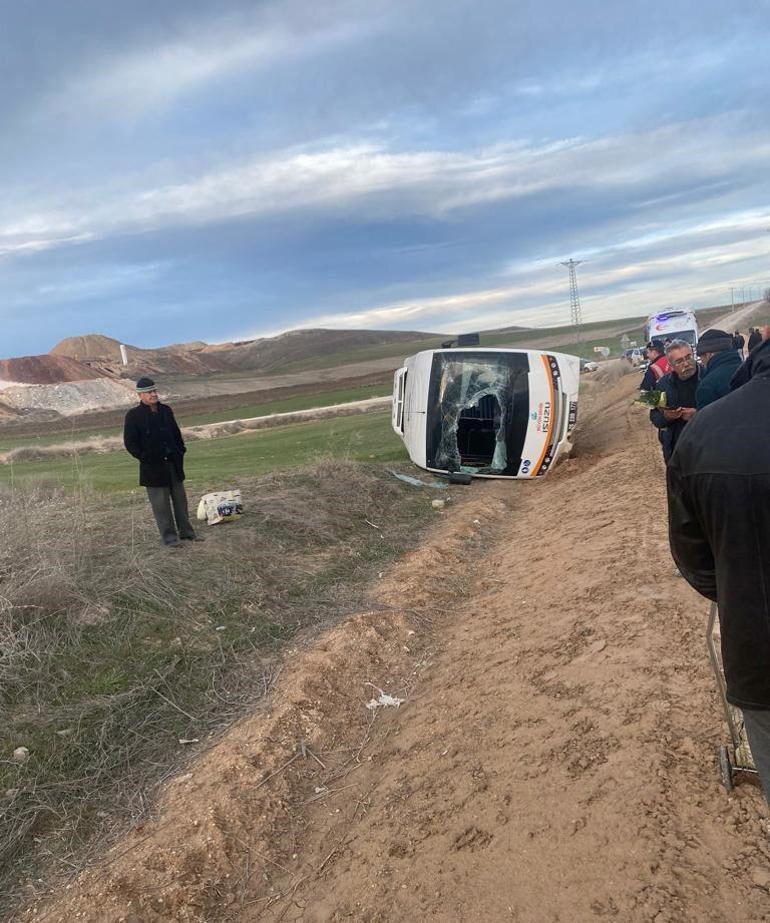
99,445
112,650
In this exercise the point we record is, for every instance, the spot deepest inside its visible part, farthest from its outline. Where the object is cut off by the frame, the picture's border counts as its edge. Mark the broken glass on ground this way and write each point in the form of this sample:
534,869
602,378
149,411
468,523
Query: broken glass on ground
416,482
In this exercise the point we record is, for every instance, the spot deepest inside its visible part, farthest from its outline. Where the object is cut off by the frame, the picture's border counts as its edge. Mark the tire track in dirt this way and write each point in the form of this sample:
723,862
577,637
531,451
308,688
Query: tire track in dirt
558,764
553,761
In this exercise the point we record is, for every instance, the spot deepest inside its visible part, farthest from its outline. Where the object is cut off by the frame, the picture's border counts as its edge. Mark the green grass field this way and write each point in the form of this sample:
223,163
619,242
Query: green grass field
215,463
238,412
288,405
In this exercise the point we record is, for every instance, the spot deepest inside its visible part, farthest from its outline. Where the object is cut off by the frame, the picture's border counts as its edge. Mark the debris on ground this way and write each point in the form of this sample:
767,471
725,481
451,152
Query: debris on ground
416,482
383,700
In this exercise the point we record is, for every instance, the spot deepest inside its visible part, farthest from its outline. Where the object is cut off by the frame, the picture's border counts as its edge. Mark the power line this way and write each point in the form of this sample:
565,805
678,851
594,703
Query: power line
576,314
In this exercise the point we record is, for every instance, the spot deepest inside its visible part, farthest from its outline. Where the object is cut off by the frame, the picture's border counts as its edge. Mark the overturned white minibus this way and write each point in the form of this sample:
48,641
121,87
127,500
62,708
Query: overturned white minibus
502,413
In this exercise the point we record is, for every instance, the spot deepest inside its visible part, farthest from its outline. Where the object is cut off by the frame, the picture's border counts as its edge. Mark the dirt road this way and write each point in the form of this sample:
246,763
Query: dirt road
553,759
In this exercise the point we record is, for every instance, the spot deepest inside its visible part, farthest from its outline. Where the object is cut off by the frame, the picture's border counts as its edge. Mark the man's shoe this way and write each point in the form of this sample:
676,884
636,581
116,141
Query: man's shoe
193,538
175,543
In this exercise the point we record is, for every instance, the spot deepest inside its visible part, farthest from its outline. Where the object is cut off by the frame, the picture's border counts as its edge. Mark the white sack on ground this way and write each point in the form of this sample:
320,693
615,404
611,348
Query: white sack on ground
220,506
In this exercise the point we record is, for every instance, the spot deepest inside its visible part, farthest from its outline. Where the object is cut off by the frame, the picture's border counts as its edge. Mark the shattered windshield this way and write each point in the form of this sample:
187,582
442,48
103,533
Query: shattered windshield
478,409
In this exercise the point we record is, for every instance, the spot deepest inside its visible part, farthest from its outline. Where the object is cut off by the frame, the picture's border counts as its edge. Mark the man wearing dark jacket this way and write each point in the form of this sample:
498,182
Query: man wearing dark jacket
719,529
151,435
679,386
658,367
755,338
720,362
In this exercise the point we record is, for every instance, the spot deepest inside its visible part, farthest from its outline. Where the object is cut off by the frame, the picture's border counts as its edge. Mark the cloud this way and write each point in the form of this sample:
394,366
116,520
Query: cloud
615,283
390,184
332,162
151,79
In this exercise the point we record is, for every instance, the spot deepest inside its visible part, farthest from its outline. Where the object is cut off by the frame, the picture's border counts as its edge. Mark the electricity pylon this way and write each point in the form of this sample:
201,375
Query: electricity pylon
576,315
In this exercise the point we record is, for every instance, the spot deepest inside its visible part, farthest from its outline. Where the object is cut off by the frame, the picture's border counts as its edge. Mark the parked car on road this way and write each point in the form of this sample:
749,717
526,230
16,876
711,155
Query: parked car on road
635,356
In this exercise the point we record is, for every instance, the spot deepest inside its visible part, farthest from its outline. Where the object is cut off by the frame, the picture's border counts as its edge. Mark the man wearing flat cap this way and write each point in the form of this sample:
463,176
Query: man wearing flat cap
151,435
719,361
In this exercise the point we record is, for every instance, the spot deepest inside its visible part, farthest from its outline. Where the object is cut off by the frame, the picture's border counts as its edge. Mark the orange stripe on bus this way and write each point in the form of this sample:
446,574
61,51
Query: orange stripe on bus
547,445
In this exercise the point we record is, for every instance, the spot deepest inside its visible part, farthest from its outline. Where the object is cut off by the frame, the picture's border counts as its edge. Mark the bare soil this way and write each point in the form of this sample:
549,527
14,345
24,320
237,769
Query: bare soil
45,370
259,355
553,759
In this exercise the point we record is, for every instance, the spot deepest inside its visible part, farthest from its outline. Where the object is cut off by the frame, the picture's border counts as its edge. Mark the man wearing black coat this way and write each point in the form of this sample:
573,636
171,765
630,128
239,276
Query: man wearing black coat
719,529
680,387
738,342
755,338
719,362
151,435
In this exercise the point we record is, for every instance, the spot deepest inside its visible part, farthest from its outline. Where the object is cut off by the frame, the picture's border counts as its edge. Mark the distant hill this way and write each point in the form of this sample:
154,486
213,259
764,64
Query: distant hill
259,355
103,353
311,349
45,370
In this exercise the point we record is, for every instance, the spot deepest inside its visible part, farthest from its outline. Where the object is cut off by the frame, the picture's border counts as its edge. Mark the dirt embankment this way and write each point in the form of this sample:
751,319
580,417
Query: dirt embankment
553,759
45,370
69,398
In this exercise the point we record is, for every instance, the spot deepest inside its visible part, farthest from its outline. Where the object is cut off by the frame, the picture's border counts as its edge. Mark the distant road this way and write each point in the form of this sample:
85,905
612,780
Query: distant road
734,320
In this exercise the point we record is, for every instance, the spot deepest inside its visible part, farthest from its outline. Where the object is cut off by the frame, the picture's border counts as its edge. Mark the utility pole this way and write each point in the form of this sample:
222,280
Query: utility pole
576,314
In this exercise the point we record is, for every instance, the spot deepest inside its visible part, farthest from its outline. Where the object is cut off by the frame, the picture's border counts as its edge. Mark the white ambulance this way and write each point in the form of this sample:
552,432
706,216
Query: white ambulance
673,325
501,413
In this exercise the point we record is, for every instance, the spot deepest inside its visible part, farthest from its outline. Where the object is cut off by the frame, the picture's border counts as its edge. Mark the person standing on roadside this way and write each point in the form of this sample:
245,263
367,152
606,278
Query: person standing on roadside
720,362
738,343
755,338
152,436
679,386
658,366
719,530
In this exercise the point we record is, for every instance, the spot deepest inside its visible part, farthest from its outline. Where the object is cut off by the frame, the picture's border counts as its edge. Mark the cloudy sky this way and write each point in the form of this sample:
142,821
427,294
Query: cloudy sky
219,169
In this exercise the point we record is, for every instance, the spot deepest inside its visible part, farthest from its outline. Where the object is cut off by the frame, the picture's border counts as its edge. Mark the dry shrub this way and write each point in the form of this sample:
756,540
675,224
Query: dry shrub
99,445
112,650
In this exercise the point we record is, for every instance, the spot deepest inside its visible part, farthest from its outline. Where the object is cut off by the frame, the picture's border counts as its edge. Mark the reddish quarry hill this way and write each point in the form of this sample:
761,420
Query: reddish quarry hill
259,355
46,370
91,348
103,352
